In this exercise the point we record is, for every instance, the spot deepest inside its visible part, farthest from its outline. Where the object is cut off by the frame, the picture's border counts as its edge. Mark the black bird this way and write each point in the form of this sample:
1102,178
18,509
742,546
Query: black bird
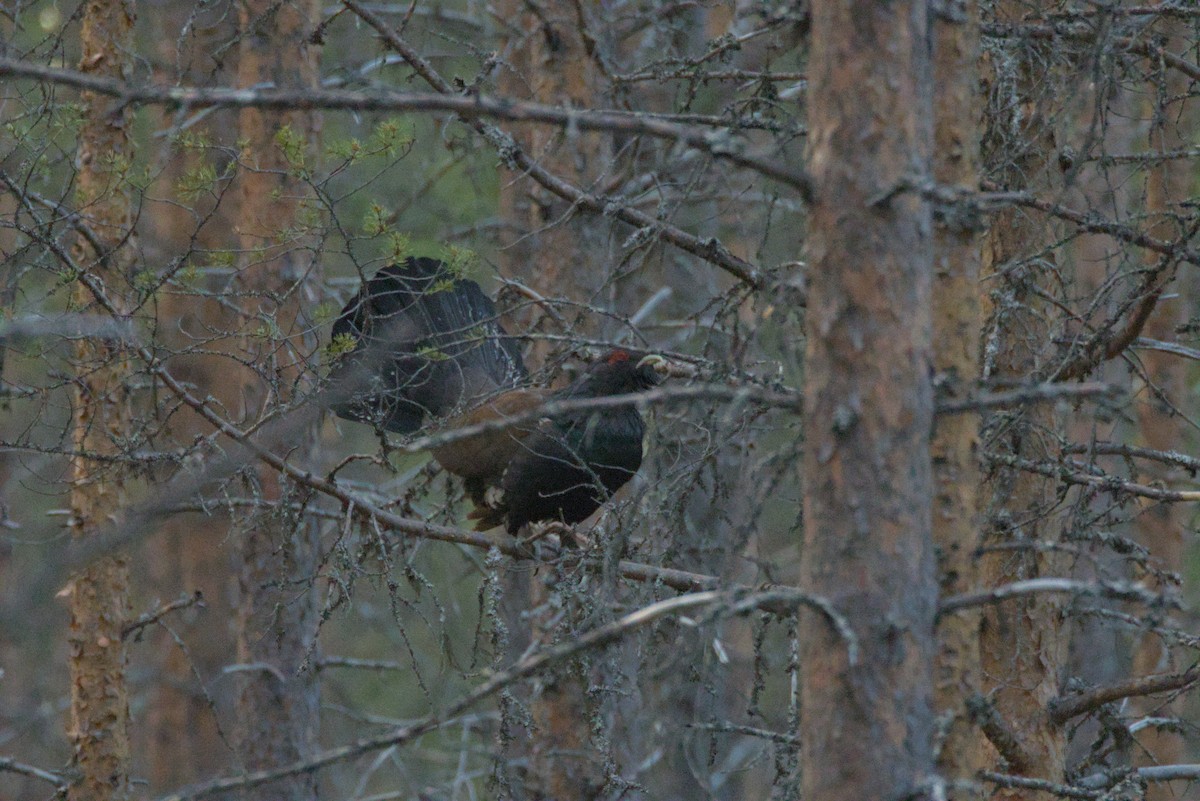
419,344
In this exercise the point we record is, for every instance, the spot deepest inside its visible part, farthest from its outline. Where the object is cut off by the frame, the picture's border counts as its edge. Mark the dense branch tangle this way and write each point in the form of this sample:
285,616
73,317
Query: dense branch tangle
704,112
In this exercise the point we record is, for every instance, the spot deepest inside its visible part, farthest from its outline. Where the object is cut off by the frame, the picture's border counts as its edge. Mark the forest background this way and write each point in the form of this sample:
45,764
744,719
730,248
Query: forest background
917,513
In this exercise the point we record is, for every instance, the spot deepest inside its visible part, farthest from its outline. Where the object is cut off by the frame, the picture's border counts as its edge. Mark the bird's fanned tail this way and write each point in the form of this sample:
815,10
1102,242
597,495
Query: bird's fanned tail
423,342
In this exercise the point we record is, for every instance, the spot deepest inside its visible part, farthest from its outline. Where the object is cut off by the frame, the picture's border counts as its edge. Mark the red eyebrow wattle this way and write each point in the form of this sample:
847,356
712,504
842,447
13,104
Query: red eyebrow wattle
618,356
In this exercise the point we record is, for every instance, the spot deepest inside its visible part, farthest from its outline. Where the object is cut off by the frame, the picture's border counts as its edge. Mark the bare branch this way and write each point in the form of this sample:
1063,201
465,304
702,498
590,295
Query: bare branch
1106,483
1151,773
1062,790
152,617
984,714
1111,589
1023,395
1067,707
1190,463
466,106
527,666
9,765
1090,223
1167,347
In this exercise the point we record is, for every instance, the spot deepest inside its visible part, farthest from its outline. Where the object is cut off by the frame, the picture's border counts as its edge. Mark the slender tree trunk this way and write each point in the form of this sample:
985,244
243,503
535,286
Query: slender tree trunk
278,704
551,63
956,325
1023,642
867,723
99,594
180,738
1160,426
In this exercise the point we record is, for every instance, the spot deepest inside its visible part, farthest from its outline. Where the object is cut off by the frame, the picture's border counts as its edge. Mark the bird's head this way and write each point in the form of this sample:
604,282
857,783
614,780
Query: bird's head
620,371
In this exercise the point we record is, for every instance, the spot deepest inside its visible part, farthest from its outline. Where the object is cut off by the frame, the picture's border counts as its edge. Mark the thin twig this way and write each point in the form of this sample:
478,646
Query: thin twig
10,765
526,666
750,731
152,617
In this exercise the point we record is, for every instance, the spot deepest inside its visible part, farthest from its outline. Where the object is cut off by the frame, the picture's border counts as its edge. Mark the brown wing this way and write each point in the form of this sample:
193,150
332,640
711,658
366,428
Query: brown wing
481,460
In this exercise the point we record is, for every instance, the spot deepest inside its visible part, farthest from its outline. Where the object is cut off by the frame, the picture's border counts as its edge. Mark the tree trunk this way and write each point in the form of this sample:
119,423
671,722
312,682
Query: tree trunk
278,704
550,62
1023,640
99,594
1159,425
180,739
868,724
955,448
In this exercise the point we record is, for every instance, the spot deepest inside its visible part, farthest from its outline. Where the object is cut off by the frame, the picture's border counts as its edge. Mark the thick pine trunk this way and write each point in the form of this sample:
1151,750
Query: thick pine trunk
868,725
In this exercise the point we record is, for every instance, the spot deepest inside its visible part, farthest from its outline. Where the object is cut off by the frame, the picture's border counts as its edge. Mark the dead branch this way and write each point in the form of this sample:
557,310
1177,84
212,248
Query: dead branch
1151,773
1067,707
468,107
1091,223
9,765
1105,483
155,615
1190,463
1062,790
1123,591
985,715
527,666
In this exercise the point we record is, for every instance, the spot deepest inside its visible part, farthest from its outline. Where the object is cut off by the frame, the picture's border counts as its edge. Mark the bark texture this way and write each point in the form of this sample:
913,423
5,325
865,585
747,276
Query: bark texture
961,753
868,485
1160,426
551,62
278,703
179,740
99,595
1023,641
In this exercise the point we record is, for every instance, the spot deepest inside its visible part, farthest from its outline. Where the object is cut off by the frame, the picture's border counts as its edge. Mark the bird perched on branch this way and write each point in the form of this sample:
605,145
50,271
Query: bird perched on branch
419,344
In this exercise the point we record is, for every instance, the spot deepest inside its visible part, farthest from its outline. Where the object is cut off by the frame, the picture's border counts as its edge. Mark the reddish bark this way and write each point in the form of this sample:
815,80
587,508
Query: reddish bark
279,701
957,324
868,404
1023,641
99,595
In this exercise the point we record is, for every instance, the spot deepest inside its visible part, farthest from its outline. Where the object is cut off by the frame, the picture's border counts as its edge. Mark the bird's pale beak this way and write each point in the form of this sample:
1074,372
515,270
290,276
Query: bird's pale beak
660,366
